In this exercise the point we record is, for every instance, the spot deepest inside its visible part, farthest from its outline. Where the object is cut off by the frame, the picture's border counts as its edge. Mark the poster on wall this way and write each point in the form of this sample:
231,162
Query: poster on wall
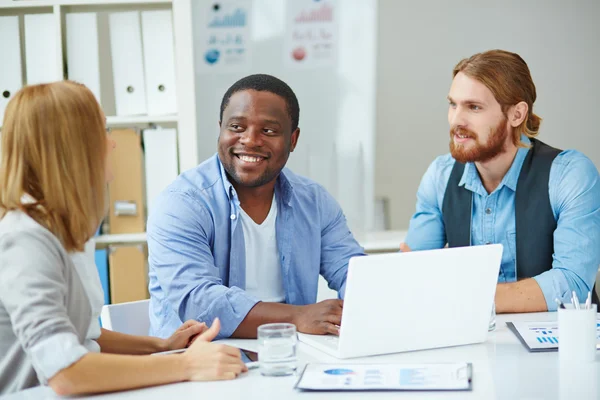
226,36
311,37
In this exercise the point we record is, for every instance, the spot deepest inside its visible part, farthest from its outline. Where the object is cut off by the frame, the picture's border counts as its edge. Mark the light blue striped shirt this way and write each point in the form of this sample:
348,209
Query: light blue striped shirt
574,190
197,255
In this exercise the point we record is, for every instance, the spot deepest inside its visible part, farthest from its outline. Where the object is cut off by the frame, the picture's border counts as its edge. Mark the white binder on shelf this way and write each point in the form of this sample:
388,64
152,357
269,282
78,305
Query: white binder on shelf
83,60
159,61
41,49
11,78
128,71
160,158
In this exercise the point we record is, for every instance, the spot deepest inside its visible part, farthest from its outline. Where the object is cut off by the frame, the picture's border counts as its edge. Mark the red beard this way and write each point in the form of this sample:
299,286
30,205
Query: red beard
479,152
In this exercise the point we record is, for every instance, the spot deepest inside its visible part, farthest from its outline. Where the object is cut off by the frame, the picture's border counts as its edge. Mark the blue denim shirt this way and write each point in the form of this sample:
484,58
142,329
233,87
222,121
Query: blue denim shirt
197,255
574,191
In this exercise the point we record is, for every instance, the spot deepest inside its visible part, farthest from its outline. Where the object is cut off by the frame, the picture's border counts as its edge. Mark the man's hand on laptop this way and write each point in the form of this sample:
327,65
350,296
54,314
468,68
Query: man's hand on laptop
321,318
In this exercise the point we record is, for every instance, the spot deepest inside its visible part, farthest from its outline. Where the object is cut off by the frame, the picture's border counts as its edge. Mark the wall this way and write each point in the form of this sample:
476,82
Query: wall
337,104
420,42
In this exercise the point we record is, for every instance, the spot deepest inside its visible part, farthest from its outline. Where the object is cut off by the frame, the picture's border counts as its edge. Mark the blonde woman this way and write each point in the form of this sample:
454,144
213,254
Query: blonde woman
53,173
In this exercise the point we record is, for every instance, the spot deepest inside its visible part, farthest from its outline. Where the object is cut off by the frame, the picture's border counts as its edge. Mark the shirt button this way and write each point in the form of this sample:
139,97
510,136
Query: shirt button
488,210
232,216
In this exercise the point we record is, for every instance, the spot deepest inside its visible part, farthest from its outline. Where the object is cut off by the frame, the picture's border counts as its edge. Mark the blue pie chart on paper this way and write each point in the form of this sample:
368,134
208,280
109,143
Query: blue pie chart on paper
212,56
339,371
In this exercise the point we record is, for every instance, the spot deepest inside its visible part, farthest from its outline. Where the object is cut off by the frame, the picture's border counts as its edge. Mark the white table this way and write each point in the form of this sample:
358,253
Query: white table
381,241
502,369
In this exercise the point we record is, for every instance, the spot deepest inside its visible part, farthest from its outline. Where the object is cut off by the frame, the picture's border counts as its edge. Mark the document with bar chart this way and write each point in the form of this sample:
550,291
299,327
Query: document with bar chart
380,377
541,336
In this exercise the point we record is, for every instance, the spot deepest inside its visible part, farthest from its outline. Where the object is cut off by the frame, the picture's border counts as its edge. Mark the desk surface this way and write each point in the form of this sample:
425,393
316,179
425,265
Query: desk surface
381,241
502,369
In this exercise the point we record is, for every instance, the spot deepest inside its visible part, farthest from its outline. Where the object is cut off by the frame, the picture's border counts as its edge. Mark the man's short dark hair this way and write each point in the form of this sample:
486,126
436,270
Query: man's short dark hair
266,83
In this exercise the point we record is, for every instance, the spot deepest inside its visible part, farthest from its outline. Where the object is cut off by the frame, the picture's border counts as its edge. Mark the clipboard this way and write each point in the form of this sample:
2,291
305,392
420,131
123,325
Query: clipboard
386,377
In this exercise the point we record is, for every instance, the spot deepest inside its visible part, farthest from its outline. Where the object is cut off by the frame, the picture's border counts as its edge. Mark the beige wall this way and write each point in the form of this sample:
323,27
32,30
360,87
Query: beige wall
419,43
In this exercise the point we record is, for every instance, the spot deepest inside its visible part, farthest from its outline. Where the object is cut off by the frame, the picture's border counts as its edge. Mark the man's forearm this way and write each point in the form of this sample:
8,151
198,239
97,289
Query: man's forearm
120,343
520,297
265,313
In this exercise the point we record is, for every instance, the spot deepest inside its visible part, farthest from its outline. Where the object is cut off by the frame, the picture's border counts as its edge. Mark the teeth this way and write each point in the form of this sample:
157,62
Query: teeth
250,158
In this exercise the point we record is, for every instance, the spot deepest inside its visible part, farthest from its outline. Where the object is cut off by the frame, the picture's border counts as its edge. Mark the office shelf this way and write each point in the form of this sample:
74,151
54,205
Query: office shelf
52,3
140,119
104,241
372,242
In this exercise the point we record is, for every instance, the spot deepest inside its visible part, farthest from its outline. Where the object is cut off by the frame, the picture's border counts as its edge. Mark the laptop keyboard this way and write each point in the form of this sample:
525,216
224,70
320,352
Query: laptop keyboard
330,341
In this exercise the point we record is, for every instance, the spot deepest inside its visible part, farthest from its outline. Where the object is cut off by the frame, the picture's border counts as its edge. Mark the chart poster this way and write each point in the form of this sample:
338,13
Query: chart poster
311,38
226,36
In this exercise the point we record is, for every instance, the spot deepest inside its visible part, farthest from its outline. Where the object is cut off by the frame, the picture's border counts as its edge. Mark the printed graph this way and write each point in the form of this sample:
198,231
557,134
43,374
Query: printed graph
321,14
235,19
545,336
548,335
412,376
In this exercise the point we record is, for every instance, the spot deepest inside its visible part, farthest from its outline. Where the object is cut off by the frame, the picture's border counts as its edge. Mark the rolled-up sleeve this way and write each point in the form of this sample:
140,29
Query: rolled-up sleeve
55,353
33,290
575,198
337,244
179,235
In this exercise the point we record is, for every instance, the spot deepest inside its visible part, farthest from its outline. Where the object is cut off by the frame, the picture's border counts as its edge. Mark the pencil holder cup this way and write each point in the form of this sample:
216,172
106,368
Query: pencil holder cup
577,334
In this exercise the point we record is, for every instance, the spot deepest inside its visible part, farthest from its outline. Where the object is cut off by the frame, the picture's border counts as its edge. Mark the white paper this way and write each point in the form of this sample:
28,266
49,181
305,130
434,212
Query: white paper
226,36
543,335
455,376
311,37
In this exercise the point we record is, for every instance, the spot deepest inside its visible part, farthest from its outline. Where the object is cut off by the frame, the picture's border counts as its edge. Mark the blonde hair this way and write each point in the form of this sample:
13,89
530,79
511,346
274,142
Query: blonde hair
53,147
507,76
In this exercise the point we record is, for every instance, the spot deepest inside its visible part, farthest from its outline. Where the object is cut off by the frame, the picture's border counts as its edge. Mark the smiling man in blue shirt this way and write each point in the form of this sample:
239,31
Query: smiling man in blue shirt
501,185
243,239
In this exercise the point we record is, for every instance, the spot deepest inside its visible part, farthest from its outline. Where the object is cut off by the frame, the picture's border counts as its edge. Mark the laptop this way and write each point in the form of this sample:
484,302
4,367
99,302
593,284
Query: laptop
413,301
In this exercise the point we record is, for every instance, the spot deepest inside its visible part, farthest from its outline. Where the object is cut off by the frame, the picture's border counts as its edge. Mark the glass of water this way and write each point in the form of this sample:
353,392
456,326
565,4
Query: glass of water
277,349
493,318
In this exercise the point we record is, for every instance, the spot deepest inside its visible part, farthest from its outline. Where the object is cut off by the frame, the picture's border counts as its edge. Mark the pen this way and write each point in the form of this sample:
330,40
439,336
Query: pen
560,303
163,353
588,301
575,301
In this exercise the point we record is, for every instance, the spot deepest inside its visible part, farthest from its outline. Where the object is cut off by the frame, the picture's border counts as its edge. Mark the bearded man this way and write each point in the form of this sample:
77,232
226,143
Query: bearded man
500,184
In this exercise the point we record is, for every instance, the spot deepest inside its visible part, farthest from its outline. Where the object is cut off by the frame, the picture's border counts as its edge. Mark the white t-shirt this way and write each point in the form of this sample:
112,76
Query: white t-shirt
263,267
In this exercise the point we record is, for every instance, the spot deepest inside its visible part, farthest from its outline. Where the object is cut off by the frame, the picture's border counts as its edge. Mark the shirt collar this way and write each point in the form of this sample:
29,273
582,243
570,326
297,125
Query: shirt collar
283,187
226,184
471,181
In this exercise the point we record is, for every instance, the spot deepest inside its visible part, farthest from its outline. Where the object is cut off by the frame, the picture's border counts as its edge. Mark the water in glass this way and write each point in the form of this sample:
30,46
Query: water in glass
277,349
